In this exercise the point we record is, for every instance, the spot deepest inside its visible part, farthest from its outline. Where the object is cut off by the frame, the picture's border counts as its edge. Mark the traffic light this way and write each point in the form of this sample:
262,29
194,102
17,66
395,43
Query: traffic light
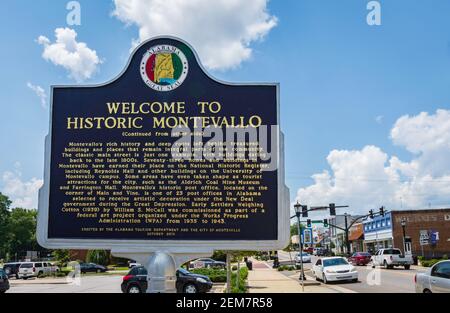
304,211
325,223
371,214
332,209
308,223
382,211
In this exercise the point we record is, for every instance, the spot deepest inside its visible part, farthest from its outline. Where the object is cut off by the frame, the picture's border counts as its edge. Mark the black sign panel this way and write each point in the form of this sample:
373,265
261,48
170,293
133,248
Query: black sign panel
112,171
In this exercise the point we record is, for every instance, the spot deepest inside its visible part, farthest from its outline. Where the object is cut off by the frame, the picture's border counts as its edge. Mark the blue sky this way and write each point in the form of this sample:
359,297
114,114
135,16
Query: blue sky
337,74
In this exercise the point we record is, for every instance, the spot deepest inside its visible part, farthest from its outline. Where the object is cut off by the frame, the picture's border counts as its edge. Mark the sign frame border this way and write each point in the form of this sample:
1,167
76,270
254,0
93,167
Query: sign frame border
173,246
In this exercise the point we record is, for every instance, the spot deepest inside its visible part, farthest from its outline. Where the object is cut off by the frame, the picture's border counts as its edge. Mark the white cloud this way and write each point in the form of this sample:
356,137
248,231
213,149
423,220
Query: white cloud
76,57
369,178
222,31
22,193
40,92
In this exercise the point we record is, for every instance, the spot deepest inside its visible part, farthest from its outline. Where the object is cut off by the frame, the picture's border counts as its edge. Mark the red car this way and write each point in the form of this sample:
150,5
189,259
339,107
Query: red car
360,258
309,250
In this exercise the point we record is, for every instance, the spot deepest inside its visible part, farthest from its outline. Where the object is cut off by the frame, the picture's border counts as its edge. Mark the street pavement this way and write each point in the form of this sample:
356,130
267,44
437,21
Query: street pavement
377,280
88,284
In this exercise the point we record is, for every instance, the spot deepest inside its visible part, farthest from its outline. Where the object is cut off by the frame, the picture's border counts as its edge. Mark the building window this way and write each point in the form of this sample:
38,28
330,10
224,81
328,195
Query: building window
388,221
378,224
383,223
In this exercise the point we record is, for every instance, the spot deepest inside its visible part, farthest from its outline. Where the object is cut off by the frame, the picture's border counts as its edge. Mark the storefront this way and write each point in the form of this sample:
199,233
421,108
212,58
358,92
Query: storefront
378,233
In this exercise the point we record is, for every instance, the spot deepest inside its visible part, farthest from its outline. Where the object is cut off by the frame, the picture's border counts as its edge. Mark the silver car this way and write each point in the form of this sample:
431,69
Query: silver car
435,280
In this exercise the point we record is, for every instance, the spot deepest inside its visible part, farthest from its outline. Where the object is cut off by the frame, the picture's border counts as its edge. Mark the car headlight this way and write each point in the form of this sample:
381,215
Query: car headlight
202,280
330,271
352,269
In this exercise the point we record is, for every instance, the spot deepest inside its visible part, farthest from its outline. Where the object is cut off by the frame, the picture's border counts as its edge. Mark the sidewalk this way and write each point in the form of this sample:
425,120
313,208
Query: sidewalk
263,279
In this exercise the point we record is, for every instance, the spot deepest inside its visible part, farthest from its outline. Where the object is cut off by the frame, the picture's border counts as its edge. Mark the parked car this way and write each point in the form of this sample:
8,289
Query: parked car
334,269
12,269
136,281
34,269
319,251
207,263
309,250
92,268
390,258
360,258
133,263
4,282
306,258
435,280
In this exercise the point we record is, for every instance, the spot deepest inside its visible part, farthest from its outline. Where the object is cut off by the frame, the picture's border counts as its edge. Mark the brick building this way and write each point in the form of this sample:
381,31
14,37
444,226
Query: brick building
434,225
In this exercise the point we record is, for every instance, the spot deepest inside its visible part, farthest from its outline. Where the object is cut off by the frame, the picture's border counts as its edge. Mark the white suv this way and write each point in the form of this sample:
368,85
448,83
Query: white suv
34,269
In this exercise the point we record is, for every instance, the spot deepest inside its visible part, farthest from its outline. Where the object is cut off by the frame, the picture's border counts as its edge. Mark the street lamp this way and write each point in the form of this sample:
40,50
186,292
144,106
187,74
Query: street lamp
403,223
298,212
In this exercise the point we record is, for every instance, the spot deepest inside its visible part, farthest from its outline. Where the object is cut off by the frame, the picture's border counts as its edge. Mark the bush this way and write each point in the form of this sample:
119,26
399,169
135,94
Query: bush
429,263
445,257
216,275
286,268
242,286
219,256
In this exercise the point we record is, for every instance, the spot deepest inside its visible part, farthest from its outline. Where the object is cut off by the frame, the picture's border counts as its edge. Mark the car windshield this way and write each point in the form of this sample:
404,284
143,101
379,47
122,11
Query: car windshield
364,254
27,265
183,271
334,262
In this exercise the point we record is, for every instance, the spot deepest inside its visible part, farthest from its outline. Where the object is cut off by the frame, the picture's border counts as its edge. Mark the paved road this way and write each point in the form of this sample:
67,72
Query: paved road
371,280
93,284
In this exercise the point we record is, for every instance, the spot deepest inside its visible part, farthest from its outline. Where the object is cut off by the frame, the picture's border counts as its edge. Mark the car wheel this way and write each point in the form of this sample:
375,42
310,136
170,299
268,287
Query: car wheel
17,276
325,281
190,288
386,266
427,291
407,267
99,270
134,289
355,280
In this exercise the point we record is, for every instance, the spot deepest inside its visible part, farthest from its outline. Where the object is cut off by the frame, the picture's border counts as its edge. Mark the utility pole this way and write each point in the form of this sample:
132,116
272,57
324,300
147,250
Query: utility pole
347,242
228,272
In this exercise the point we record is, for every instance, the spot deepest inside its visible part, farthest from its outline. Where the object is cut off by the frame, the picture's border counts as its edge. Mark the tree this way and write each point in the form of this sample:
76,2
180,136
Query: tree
5,203
62,257
22,231
101,257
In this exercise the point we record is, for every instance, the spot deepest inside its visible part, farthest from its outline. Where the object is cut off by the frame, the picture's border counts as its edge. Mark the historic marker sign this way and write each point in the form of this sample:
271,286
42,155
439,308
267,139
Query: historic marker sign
146,160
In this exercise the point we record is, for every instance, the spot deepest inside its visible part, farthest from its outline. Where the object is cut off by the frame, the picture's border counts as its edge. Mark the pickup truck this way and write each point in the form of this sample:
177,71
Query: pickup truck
390,258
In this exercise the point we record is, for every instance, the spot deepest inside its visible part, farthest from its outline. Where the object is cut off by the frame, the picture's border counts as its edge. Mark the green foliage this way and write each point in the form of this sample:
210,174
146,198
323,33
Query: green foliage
219,256
429,263
17,230
100,257
445,257
241,287
286,268
216,275
4,225
62,257
22,225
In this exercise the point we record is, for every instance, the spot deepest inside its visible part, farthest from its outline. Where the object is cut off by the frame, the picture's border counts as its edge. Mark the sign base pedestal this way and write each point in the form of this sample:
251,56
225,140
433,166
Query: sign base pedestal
161,266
